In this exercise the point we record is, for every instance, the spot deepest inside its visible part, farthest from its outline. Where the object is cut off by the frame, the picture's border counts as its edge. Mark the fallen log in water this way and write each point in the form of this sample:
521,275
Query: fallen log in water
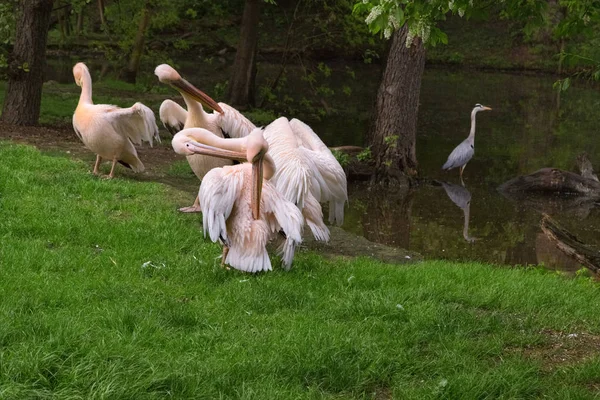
552,180
556,181
588,256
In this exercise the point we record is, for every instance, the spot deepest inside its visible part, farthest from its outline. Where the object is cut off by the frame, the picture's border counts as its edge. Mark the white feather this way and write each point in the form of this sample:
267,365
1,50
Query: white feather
333,185
172,115
232,122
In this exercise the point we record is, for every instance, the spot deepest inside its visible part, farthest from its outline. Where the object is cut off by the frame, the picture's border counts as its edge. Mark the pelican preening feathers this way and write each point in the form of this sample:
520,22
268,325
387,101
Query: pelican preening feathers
286,171
111,131
307,172
240,207
224,121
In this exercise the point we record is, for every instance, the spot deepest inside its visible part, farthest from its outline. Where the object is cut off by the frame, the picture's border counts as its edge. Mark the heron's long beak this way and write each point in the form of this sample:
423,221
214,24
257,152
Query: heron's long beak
204,149
487,108
257,180
197,94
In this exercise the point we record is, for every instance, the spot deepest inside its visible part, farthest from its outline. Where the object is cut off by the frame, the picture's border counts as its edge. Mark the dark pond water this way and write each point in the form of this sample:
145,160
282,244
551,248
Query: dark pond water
529,128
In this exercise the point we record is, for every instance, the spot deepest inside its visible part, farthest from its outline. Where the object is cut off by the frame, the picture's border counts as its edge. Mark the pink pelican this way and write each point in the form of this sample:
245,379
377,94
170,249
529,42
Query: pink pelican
226,121
111,131
307,172
239,205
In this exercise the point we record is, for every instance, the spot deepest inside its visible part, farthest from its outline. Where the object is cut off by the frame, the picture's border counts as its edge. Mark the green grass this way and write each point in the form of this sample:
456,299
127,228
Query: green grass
85,316
180,168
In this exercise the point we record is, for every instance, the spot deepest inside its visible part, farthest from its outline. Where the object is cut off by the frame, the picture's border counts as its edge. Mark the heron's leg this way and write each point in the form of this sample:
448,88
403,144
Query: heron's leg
224,256
97,165
194,208
112,169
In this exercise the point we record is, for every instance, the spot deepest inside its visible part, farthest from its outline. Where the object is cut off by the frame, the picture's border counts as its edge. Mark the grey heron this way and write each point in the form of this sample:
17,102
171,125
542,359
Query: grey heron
463,153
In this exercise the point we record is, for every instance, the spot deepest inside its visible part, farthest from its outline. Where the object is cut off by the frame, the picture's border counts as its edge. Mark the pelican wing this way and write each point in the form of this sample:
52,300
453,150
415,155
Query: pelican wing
220,189
307,137
77,128
293,173
173,116
136,122
313,215
287,218
329,179
233,123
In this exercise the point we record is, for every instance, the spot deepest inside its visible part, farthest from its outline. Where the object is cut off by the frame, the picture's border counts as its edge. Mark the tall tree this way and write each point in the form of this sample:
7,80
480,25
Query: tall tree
130,72
393,135
27,62
241,86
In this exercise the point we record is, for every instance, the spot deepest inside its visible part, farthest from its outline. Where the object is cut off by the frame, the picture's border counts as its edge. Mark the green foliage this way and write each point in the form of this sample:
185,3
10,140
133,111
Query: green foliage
261,116
391,140
343,158
317,95
108,292
365,155
384,17
422,17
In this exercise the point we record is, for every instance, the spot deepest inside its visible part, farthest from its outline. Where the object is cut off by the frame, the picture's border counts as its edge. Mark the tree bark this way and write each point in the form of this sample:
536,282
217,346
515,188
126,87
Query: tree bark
393,134
241,85
133,66
101,12
27,63
571,245
79,25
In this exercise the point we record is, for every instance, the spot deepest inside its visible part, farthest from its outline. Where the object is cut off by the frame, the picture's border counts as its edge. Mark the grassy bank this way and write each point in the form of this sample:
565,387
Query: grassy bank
108,292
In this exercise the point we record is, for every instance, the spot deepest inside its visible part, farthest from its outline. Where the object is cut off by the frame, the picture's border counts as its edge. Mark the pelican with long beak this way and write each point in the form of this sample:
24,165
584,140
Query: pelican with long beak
110,131
240,207
225,121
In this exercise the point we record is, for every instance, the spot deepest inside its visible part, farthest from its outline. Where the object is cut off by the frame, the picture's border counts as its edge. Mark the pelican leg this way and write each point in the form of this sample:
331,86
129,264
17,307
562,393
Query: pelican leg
97,165
193,208
224,256
112,169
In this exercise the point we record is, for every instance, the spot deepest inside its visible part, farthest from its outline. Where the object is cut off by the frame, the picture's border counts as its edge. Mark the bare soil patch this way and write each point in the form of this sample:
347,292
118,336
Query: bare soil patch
563,348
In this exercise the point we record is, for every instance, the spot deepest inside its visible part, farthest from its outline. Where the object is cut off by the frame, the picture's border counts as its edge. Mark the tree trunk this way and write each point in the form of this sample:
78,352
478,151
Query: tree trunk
571,245
27,63
79,25
392,137
130,72
101,12
241,85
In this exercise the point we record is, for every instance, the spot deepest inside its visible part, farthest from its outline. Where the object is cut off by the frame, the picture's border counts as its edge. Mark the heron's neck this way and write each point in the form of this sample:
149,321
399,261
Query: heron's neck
86,89
472,133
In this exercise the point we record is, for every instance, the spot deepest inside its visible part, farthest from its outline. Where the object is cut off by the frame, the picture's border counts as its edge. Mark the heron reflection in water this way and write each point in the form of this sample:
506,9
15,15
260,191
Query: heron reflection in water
462,198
